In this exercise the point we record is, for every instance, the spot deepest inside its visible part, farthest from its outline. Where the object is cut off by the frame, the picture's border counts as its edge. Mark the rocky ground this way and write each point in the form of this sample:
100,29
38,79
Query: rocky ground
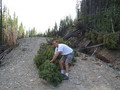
20,73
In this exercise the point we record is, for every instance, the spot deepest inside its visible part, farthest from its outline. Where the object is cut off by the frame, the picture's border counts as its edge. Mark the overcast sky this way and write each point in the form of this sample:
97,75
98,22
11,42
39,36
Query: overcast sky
41,14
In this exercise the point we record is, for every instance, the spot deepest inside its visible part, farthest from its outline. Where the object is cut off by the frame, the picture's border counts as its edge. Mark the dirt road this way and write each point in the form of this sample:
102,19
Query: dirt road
20,73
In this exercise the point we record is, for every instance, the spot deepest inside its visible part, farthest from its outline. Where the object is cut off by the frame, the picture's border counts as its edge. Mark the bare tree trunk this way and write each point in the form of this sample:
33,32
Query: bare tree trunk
90,15
85,14
112,25
100,14
1,38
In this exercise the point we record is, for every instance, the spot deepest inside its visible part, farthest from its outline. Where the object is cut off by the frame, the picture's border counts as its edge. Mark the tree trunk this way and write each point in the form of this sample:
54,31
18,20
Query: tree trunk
0,22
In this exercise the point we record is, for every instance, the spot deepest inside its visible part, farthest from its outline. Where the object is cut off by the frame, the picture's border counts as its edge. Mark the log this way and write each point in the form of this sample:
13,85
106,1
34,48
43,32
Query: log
2,48
5,52
95,45
80,49
84,43
74,33
2,55
102,58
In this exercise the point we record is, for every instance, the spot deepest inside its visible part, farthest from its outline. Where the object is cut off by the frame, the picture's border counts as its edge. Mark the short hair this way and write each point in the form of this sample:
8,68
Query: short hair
54,40
50,41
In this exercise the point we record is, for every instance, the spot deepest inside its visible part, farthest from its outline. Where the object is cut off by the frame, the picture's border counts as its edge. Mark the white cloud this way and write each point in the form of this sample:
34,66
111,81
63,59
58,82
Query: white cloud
41,14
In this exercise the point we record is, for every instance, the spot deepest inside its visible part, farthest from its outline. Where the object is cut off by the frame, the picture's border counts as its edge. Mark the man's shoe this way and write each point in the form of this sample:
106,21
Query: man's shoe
66,78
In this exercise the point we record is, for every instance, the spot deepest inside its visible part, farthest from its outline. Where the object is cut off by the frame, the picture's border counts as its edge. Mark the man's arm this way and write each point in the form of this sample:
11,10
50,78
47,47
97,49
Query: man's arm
55,56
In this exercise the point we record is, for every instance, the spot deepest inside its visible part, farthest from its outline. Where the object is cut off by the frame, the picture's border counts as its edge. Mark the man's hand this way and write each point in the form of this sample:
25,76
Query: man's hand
51,61
55,56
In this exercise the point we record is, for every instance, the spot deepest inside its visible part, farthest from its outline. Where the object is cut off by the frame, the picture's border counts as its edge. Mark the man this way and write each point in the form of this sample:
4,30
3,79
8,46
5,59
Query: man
67,56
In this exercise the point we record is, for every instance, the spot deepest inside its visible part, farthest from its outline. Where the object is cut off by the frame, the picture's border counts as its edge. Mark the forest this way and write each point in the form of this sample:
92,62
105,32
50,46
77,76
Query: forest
98,21
10,31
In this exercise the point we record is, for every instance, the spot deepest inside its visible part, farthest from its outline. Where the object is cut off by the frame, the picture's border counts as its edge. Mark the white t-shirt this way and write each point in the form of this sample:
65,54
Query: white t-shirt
65,49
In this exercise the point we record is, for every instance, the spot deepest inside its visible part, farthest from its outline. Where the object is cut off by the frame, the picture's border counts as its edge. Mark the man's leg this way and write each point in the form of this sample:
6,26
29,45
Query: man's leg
61,62
68,60
67,67
67,71
61,66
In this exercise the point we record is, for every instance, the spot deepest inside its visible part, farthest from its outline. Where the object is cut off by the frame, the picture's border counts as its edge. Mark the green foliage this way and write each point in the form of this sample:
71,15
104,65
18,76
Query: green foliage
60,40
103,18
1,25
9,27
41,35
92,35
21,31
44,53
65,24
49,72
101,15
111,40
32,32
27,34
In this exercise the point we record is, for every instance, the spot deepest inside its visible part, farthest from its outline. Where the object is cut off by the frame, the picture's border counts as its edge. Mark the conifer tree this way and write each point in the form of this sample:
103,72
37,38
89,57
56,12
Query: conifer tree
1,22
32,32
21,31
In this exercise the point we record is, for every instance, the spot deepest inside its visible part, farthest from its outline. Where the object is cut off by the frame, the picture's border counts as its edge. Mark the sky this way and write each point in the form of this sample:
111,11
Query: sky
41,14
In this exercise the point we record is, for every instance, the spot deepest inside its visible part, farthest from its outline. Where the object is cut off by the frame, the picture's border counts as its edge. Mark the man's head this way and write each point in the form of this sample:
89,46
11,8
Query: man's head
55,43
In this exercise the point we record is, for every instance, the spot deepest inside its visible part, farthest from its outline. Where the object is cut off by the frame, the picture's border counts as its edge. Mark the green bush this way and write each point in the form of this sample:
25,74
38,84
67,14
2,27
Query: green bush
92,35
110,40
49,72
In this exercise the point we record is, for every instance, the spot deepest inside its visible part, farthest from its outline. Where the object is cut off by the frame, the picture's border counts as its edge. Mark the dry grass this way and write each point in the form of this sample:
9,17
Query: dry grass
10,37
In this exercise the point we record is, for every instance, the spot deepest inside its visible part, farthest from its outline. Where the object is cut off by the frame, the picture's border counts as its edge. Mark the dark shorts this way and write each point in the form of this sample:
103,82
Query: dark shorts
68,58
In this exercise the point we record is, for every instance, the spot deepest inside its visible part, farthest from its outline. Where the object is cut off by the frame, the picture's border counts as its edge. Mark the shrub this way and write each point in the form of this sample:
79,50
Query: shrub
111,40
49,72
